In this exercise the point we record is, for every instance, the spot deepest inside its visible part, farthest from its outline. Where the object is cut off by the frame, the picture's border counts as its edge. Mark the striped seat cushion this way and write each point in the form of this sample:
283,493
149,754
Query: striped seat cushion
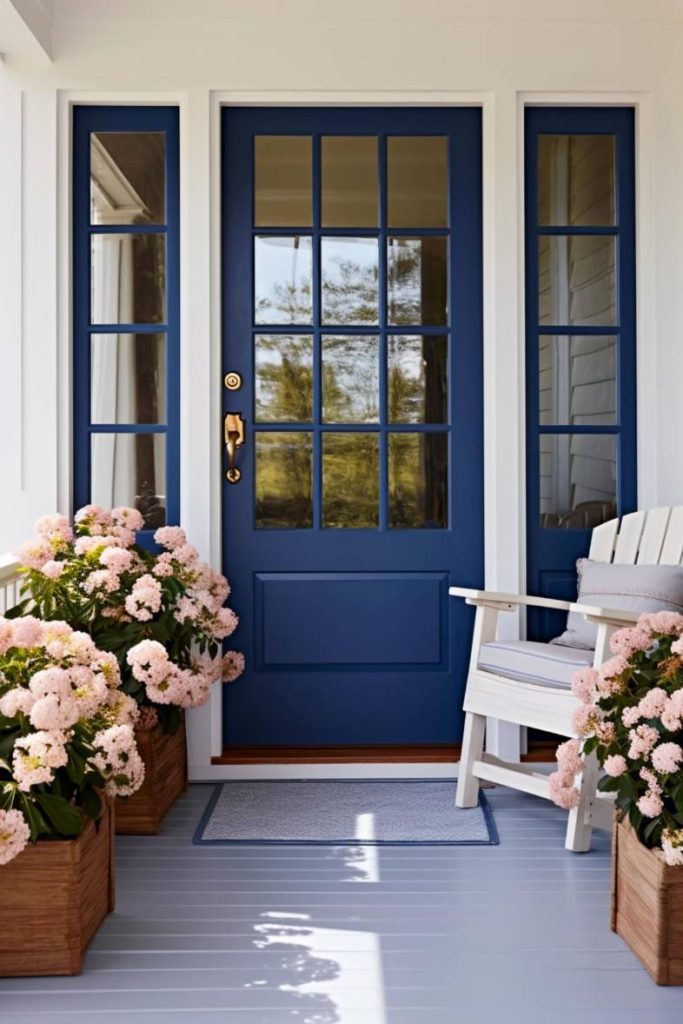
532,662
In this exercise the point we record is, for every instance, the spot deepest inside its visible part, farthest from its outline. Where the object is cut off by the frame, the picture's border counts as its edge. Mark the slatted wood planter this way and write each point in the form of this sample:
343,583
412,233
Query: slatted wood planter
53,898
165,757
647,906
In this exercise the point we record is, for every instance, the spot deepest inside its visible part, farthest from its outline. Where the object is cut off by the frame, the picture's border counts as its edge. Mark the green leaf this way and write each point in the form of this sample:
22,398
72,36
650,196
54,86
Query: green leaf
92,804
62,815
34,818
76,767
608,785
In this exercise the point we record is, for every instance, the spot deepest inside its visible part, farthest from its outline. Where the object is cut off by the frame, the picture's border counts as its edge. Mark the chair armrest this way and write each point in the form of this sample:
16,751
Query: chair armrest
507,602
612,616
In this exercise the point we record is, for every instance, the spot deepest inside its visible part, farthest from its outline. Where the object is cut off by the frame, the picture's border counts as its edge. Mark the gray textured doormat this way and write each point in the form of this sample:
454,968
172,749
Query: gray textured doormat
344,812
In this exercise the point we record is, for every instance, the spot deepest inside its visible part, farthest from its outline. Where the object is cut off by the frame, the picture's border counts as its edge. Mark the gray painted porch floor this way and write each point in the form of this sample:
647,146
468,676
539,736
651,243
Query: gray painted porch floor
411,935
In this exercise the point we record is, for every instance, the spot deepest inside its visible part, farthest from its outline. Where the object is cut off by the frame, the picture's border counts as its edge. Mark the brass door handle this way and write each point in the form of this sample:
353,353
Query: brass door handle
235,435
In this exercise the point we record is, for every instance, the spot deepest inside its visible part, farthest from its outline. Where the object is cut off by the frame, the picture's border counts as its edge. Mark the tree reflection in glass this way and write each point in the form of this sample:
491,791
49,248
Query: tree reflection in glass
349,271
350,379
350,480
284,378
283,280
417,286
284,480
418,480
417,379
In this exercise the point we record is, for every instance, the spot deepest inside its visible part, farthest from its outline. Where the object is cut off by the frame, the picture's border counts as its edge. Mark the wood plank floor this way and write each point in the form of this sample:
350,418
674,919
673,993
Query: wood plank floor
272,935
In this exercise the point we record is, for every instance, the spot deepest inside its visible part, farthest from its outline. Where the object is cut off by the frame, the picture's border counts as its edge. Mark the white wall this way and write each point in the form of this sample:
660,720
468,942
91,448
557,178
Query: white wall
498,53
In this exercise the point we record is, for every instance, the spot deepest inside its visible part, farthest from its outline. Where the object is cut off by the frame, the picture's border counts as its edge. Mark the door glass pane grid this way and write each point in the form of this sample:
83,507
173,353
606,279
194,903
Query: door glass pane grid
577,291
359,431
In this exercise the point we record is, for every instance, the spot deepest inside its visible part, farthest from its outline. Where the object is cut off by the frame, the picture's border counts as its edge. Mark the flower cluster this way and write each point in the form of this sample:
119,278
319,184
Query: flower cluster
61,715
95,575
631,716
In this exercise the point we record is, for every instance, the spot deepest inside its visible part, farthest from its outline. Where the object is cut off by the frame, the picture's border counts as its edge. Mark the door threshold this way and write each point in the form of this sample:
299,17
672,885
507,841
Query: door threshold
421,754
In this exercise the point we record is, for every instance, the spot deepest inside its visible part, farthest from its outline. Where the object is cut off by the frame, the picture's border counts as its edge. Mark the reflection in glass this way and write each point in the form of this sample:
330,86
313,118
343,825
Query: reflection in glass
417,281
576,280
130,469
283,181
577,379
418,480
350,480
283,283
417,379
127,178
284,378
578,480
576,180
128,275
284,496
417,181
349,181
127,378
349,273
350,379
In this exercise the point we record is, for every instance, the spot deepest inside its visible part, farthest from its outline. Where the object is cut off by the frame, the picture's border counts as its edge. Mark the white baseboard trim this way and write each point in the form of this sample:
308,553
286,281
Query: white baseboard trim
225,772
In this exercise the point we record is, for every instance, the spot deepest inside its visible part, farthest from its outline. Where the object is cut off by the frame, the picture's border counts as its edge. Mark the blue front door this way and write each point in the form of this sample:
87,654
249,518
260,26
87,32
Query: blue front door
352,326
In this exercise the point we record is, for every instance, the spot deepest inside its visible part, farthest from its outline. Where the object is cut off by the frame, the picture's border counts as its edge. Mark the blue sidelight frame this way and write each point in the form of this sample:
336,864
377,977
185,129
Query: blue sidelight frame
552,553
88,119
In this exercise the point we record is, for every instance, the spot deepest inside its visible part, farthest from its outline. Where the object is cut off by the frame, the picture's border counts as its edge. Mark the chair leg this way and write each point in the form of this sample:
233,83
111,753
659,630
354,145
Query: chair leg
578,836
467,793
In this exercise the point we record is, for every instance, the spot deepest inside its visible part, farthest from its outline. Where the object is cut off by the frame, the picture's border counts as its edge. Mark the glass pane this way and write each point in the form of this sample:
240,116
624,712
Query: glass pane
417,182
577,379
130,469
349,272
283,181
576,280
417,379
350,480
284,494
284,378
282,270
578,480
128,279
349,182
127,178
576,180
351,380
417,281
128,378
418,480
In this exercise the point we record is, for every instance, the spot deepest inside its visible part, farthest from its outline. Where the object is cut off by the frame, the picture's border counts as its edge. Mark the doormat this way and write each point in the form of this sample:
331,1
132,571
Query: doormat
365,812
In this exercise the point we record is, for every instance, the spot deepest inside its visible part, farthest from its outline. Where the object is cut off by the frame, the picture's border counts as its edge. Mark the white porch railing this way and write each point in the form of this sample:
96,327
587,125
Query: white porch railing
10,578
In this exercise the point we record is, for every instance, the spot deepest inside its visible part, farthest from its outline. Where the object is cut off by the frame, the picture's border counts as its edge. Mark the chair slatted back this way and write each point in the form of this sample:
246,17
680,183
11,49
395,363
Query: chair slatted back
654,537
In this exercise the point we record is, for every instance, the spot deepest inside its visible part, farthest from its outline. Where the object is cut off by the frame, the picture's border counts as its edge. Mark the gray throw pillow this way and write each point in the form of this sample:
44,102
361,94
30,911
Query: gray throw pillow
634,588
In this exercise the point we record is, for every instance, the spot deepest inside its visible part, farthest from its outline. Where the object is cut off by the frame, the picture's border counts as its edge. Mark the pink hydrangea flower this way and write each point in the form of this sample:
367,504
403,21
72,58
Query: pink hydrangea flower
653,703
677,647
667,758
6,634
14,835
233,666
650,805
36,757
103,580
568,757
129,518
584,685
163,566
35,554
643,739
53,570
584,719
225,623
54,528
117,759
27,631
627,641
95,519
170,537
662,622
117,559
630,716
562,790
615,765
672,846
144,601
15,701
609,675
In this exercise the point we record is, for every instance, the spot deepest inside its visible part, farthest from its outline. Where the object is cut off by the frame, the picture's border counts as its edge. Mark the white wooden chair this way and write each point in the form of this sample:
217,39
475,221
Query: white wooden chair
644,538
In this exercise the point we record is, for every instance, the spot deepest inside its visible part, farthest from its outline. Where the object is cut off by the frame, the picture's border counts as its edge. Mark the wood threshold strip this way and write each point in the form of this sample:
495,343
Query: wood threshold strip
420,754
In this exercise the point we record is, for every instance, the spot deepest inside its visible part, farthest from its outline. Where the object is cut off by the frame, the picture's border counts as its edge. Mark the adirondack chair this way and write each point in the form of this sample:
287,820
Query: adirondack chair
643,538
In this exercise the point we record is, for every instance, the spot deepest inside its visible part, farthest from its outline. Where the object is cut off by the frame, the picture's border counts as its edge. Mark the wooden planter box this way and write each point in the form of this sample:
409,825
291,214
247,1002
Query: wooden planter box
647,906
53,898
165,757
